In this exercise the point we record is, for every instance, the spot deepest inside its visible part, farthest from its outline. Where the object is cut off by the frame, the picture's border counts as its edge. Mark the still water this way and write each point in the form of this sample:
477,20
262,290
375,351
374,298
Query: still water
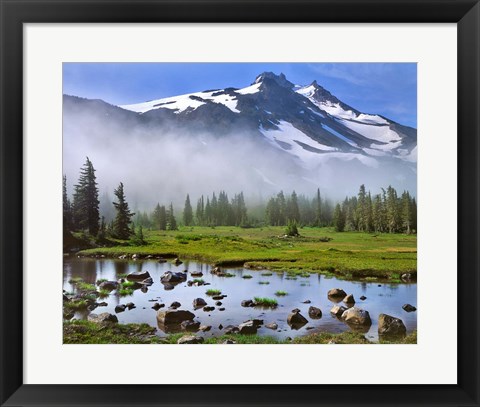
381,297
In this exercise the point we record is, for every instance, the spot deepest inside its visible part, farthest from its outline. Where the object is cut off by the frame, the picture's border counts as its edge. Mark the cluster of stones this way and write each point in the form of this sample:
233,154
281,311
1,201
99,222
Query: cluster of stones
359,319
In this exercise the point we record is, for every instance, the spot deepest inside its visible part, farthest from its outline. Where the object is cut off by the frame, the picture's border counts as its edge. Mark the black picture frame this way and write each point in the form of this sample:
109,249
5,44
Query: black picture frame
14,13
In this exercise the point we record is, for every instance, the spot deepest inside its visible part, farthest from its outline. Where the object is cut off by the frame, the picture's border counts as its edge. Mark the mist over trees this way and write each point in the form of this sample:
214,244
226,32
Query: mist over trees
386,212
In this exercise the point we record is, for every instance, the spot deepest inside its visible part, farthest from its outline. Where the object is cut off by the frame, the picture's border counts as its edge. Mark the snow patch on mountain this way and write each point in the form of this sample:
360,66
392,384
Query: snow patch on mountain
336,133
249,90
381,133
188,101
287,137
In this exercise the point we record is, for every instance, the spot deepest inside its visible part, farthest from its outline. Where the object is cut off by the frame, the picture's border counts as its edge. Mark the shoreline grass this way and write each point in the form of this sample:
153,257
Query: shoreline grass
213,291
85,332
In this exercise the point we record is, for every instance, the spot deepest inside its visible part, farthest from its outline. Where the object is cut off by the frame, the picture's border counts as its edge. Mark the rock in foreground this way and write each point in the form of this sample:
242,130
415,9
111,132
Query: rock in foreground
102,318
314,312
138,276
190,340
389,326
357,316
174,316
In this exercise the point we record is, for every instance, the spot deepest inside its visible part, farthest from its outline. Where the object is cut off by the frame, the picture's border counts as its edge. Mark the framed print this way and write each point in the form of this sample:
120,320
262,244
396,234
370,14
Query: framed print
242,203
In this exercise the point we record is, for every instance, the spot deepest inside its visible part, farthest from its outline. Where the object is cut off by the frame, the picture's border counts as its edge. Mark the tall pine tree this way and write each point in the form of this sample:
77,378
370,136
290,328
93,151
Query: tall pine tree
188,212
86,214
123,218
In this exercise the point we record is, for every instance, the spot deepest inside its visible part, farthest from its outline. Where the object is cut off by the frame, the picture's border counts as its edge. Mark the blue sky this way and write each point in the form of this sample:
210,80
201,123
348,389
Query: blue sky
389,89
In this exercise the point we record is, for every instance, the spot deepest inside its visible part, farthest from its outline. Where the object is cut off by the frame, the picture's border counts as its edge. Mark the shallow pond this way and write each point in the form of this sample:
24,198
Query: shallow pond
381,297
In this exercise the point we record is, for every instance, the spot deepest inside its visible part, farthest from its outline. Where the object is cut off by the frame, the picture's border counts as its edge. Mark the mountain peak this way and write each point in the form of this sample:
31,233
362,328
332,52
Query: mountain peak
279,79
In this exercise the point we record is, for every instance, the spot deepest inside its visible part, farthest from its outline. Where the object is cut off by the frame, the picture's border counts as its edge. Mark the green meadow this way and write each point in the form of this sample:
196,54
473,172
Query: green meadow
349,255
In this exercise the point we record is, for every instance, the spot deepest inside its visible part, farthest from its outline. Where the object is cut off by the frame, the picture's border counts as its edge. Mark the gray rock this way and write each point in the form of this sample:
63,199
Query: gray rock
257,322
196,274
120,308
314,312
406,277
230,329
218,303
307,302
338,310
191,326
208,309
171,277
336,294
349,299
357,316
228,342
177,261
363,298
409,308
248,328
296,320
190,340
130,305
103,318
102,304
389,326
175,305
157,306
138,276
205,328
148,281
176,316
199,303
247,303
272,325
221,309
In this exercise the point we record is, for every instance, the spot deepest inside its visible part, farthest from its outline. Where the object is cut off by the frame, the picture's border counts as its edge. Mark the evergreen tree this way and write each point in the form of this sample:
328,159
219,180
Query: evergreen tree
393,215
102,232
406,212
86,214
293,212
171,221
123,218
318,209
281,218
67,208
138,238
208,213
159,217
292,229
200,212
188,212
339,219
272,212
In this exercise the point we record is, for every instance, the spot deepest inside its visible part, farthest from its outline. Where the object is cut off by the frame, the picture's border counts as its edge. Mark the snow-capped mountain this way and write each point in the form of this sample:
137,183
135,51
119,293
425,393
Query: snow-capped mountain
267,136
306,121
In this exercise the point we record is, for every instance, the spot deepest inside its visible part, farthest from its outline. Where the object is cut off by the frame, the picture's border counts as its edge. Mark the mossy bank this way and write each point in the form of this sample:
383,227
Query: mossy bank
85,332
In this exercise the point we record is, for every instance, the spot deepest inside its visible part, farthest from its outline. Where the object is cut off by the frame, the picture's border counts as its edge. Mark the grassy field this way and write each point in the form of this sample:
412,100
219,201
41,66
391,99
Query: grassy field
84,332
351,255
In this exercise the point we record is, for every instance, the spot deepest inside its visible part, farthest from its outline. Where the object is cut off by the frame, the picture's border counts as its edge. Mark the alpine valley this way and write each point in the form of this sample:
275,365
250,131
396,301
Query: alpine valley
262,138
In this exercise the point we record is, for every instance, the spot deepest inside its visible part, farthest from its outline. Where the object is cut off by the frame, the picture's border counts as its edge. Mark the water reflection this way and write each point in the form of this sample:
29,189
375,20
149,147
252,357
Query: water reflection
380,298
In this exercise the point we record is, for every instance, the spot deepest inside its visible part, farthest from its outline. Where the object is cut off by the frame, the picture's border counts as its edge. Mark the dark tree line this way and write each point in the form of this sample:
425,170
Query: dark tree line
281,210
386,212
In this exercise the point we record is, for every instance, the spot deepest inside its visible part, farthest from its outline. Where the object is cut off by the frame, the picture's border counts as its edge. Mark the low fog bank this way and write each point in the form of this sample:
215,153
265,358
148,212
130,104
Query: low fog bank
164,166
